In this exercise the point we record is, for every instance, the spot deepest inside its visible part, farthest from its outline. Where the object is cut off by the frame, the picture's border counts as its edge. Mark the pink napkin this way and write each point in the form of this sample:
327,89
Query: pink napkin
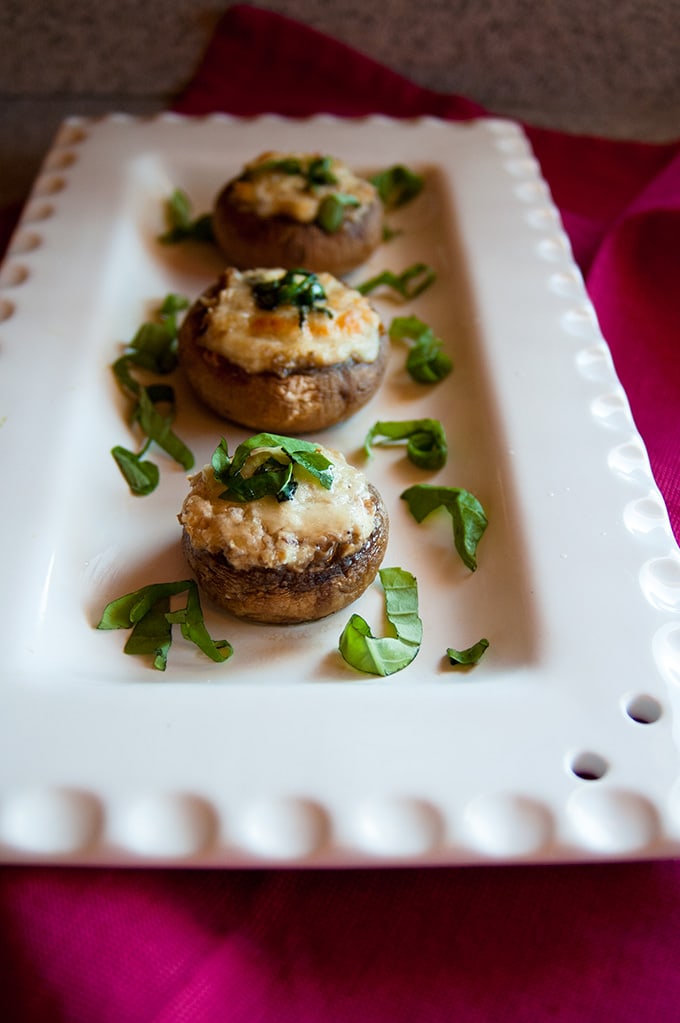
572,944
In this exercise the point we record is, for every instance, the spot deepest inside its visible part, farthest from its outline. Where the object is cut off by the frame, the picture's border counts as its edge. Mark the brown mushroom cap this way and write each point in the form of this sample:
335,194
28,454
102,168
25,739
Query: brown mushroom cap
282,596
301,401
248,240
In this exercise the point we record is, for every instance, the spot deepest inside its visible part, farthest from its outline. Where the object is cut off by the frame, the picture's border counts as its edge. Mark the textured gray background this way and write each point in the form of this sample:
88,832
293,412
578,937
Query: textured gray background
610,67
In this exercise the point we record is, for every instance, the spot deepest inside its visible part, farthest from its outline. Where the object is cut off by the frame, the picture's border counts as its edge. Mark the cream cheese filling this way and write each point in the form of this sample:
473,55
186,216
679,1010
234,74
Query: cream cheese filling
261,340
314,527
269,192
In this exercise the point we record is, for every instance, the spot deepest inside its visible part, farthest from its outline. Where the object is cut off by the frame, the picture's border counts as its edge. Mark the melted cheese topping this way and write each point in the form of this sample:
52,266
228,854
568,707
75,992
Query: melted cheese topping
262,340
270,192
314,527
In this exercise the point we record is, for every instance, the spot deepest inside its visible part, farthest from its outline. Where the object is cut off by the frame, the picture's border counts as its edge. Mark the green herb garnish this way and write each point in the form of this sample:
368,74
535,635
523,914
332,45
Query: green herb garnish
142,476
426,440
397,185
316,171
319,171
147,612
182,225
469,519
467,658
154,349
301,289
426,363
409,284
388,654
264,465
332,210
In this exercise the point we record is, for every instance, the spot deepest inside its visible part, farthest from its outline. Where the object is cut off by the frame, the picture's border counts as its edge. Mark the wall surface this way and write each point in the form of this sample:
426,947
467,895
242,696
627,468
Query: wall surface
610,67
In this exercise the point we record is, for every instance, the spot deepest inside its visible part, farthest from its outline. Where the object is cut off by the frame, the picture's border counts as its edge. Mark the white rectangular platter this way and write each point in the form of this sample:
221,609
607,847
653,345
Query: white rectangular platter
560,745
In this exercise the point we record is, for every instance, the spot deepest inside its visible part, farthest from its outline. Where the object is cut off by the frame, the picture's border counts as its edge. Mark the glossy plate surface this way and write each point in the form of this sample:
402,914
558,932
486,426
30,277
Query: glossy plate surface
560,745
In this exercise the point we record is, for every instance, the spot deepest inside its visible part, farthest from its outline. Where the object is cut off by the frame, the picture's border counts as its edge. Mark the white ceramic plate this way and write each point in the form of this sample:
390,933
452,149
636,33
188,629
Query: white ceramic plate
559,745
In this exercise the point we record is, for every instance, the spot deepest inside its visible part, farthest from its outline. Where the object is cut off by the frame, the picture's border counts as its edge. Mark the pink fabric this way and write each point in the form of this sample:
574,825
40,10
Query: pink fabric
573,944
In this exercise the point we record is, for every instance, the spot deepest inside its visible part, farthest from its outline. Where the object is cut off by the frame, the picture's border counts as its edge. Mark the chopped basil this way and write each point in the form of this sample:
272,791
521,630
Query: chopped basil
264,465
469,519
288,165
388,233
153,348
472,655
426,440
397,185
147,612
142,477
152,634
182,225
332,210
426,363
409,284
386,655
318,170
301,289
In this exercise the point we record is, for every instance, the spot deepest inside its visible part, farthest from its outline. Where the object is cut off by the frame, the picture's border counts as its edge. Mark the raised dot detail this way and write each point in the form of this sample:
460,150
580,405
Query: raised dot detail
167,825
50,821
580,322
499,126
629,459
72,132
397,827
612,821
283,829
595,364
37,211
666,649
6,310
569,284
660,582
508,825
554,249
525,167
532,191
13,274
612,409
25,241
512,145
646,515
49,185
59,159
543,218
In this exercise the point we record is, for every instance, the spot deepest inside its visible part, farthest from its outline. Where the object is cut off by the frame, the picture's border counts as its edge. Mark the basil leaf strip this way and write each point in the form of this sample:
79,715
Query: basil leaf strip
152,634
426,363
301,289
426,440
192,625
181,224
397,185
409,284
158,429
389,654
271,475
332,211
316,171
142,477
469,518
472,655
153,348
147,612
